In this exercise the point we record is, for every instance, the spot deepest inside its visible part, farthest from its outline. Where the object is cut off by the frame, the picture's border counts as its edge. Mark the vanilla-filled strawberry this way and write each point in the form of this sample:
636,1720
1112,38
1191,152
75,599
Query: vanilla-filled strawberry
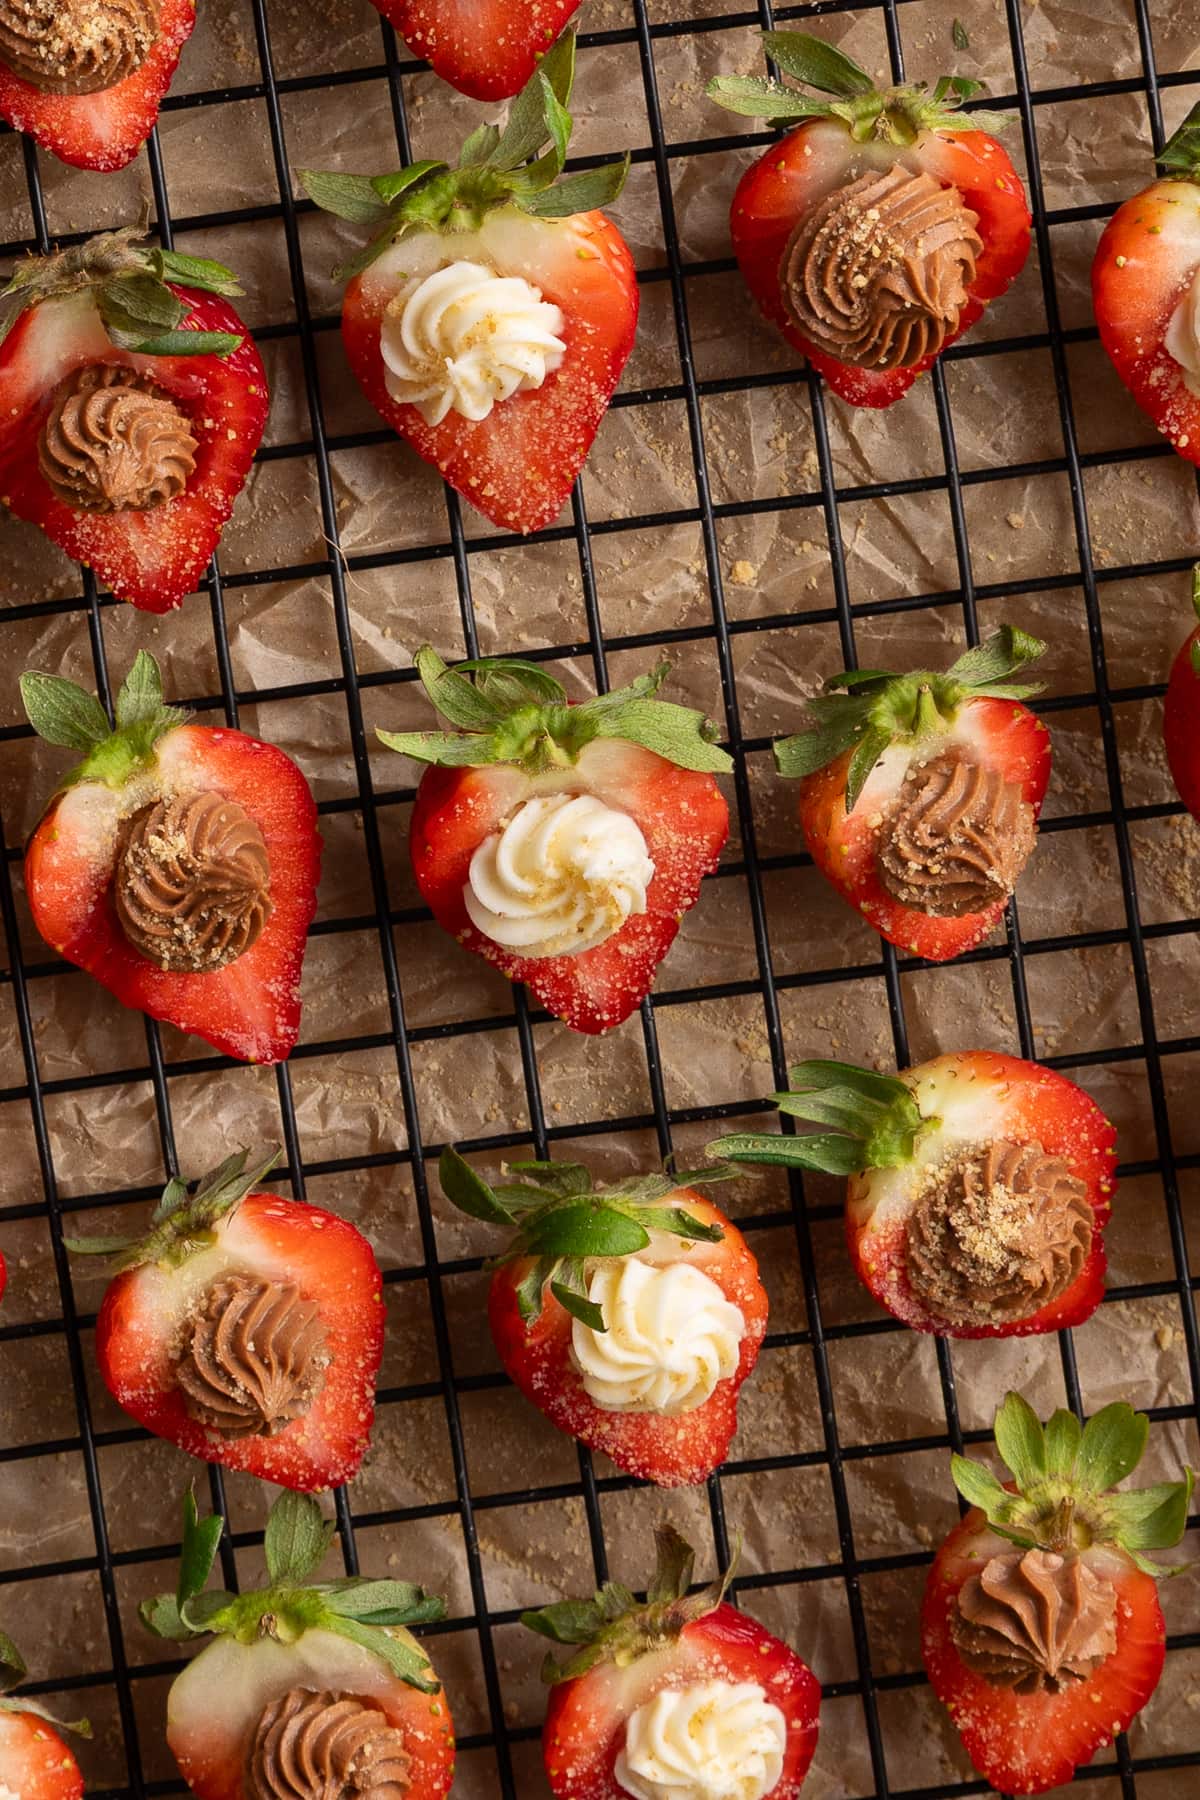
677,1697
920,793
490,317
245,1328
86,77
132,401
630,1315
563,844
980,1186
875,234
35,1764
486,48
310,1687
177,863
1041,1628
1181,714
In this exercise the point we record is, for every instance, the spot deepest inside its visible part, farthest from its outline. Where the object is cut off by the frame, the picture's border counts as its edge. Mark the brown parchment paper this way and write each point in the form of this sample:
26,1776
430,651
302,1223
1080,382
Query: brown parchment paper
774,559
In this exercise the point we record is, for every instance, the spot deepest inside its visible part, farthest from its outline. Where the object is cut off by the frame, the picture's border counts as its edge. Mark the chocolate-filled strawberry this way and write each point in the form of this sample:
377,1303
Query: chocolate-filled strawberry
679,1694
1041,1628
35,1763
309,1687
563,844
630,1315
245,1328
86,77
980,1186
920,793
132,401
177,863
490,317
875,234
1181,714
485,48
1146,292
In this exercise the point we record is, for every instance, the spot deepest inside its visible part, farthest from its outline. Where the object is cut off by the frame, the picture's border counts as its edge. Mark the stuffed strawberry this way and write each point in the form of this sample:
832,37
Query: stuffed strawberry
920,794
246,1329
1146,292
679,1694
1181,714
491,316
979,1188
86,77
177,864
35,1764
563,844
1041,1628
875,234
132,401
485,48
309,1687
630,1315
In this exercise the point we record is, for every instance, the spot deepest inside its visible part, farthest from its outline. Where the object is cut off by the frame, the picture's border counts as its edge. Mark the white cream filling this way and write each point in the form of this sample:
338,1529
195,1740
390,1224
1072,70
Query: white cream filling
716,1740
1182,342
672,1336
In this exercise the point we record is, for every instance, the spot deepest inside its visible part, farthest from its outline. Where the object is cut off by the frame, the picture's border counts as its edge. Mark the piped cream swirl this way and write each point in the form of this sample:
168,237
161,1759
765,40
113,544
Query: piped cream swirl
672,1336
715,1740
80,47
326,1746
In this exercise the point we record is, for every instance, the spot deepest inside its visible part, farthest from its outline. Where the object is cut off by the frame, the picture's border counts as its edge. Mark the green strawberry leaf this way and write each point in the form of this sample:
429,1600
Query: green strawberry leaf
1064,1434
351,197
1151,1518
817,64
1113,1444
580,1229
754,97
62,712
1021,1440
297,1538
591,190
468,1191
12,1665
198,1553
404,1660
1180,155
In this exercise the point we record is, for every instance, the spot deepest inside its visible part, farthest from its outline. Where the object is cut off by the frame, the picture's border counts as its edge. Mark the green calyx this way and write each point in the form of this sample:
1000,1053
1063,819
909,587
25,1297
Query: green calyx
1180,155
1065,1474
513,712
518,165
560,1221
895,115
365,1611
130,284
64,713
1195,652
182,1224
12,1674
876,1123
880,708
615,1627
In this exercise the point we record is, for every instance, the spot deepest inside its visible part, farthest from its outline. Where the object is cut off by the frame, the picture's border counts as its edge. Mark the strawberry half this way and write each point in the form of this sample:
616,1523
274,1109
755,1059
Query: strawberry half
581,908
875,234
318,1684
177,863
132,401
504,302
1146,292
920,793
629,1315
679,1691
980,1186
1181,714
103,130
246,1329
34,1762
485,48
1041,1629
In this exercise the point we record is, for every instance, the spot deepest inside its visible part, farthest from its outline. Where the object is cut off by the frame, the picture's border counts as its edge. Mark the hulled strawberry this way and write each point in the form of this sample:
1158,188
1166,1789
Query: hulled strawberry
132,401
177,864
86,77
309,1686
245,1328
920,794
491,316
1146,292
676,1694
874,234
630,1315
485,48
1181,714
35,1764
563,844
980,1186
1041,1629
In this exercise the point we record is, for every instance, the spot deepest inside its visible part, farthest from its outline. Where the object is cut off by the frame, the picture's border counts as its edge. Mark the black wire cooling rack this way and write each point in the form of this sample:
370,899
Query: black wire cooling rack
1145,1775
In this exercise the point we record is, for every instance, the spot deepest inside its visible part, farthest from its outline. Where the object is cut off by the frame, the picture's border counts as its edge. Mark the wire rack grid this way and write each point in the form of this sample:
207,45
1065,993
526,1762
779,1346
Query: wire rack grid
499,1756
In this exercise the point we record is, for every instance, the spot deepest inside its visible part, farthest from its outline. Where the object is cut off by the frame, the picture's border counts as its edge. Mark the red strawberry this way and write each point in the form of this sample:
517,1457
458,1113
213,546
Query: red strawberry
1181,714
138,485
920,793
196,913
502,389
246,1329
3,1275
619,883
1146,292
670,1688
105,129
326,1673
34,1762
850,282
1041,1629
629,1315
980,1186
485,48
